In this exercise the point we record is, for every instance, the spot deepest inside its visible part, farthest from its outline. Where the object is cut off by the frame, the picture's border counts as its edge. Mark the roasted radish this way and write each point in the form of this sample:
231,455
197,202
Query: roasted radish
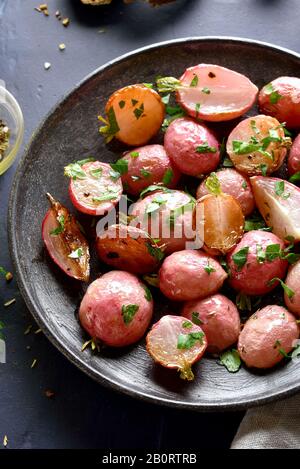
233,183
294,158
258,145
128,248
95,188
281,99
134,114
279,203
219,218
116,309
176,343
148,165
192,147
211,92
64,241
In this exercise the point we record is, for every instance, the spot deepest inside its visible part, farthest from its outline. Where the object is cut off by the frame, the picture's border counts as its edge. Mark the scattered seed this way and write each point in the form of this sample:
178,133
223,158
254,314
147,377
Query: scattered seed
5,441
37,9
38,331
43,7
33,363
49,393
8,276
57,14
27,331
86,344
66,22
9,302
62,46
47,65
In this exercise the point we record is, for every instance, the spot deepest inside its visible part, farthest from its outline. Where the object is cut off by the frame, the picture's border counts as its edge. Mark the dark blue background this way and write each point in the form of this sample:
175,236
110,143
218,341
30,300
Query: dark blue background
83,414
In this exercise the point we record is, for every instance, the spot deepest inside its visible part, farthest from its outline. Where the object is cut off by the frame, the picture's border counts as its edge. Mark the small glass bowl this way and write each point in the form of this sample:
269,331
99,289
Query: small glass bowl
11,115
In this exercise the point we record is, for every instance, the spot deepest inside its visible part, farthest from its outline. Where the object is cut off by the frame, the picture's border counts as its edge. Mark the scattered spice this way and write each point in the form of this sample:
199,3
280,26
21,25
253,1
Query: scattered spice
62,46
4,138
33,363
9,302
47,65
27,331
66,22
49,393
43,8
5,441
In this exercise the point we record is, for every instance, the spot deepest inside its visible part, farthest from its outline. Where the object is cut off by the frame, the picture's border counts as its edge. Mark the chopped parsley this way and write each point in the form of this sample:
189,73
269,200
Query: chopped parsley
206,90
205,148
274,96
145,173
148,295
109,195
187,341
167,84
279,190
155,251
134,154
187,325
213,185
195,319
231,360
60,228
168,176
194,81
76,254
264,169
134,102
240,257
209,269
244,185
289,292
111,128
120,167
155,204
121,104
295,178
96,173
128,313
154,188
197,109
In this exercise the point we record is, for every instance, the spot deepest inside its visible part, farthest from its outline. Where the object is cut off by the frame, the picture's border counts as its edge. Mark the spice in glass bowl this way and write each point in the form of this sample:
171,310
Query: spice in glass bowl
4,139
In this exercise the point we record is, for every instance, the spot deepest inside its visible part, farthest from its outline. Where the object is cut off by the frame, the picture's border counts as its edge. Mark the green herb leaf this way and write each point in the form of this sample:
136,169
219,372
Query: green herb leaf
194,81
244,185
254,127
227,163
76,254
109,195
274,96
167,84
205,148
134,102
206,90
187,324
128,313
290,293
243,302
138,112
145,173
195,319
187,341
213,185
112,127
96,173
165,99
168,176
115,175
155,251
60,228
120,166
152,279
231,360
148,85
197,109
279,190
260,254
209,269
240,257
121,104
154,188
295,178
134,154
273,251
264,169
148,294
74,171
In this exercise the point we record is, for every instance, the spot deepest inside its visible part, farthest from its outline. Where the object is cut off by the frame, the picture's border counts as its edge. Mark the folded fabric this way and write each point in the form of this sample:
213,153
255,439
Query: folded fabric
273,426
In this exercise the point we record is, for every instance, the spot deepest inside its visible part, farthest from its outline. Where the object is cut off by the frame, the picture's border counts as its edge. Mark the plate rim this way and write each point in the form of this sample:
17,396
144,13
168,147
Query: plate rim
237,404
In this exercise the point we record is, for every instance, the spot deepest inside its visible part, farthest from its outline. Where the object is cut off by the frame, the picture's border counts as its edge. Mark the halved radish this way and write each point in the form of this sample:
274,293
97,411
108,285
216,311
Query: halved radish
128,248
94,188
279,203
134,115
219,218
64,241
213,93
258,145
176,343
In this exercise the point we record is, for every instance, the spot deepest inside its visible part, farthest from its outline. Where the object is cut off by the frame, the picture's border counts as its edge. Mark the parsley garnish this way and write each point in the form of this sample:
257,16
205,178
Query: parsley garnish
134,154
75,171
168,176
154,188
120,167
155,204
187,341
195,319
289,292
295,178
155,251
209,269
167,84
128,313
240,257
76,254
96,173
121,104
279,190
111,128
148,295
134,102
264,169
274,96
60,228
194,81
109,195
145,173
206,90
205,148
231,360
213,185
187,324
